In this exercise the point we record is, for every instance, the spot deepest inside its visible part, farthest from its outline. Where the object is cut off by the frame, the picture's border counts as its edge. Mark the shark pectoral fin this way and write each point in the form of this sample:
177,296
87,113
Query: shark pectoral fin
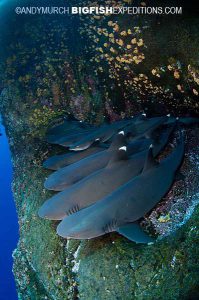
150,161
134,232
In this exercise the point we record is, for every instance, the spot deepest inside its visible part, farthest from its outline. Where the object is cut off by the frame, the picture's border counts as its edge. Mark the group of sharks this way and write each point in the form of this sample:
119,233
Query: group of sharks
110,177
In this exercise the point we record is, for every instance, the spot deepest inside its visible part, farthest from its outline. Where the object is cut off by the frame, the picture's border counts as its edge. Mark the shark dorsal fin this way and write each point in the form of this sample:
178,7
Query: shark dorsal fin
150,162
118,141
141,117
120,154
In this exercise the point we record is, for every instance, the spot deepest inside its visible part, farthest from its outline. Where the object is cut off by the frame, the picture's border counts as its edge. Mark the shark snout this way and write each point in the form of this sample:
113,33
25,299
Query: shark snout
77,226
49,211
67,230
55,183
50,183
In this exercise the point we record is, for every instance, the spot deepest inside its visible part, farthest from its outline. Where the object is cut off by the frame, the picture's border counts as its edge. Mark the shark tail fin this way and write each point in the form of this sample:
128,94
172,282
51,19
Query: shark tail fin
134,232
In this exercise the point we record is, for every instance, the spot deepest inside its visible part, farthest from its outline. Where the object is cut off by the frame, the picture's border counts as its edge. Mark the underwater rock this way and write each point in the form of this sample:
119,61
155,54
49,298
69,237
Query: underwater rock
110,267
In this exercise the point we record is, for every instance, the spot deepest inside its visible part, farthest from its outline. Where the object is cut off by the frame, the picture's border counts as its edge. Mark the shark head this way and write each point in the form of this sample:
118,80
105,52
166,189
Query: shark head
87,223
51,211
81,225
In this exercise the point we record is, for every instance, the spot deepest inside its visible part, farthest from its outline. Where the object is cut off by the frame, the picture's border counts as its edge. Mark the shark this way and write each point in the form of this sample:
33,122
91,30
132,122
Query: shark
121,210
102,134
144,128
69,124
57,162
120,169
71,174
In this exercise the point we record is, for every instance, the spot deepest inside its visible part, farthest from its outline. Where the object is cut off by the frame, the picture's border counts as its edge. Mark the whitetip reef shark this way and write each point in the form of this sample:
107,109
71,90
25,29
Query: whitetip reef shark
119,210
71,174
120,169
109,187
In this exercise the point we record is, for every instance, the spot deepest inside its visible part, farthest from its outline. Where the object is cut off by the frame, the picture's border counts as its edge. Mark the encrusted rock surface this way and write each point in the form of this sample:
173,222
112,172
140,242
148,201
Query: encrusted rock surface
51,68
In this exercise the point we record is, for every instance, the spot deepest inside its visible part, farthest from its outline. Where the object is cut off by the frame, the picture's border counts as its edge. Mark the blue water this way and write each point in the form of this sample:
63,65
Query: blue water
8,222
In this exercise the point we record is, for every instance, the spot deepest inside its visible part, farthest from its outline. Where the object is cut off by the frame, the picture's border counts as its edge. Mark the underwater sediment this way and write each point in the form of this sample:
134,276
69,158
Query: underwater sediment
88,70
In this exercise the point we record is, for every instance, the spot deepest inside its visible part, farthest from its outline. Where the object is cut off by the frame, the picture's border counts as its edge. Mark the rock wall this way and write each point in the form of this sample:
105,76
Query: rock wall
52,70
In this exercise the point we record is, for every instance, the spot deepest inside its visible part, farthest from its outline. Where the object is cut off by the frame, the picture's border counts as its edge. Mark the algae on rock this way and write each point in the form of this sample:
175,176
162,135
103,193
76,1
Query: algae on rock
110,267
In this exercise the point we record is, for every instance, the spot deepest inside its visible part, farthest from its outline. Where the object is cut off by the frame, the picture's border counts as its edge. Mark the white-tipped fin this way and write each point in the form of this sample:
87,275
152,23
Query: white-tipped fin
118,156
121,132
123,148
